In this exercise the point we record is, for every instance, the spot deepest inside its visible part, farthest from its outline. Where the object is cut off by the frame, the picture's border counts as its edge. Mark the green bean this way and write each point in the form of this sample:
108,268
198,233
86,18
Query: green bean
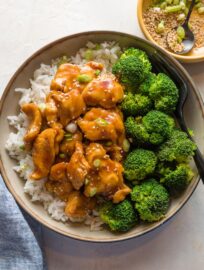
181,32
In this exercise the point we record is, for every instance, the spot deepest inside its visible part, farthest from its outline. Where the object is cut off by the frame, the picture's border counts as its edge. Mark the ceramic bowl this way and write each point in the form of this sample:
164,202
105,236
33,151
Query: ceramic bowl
69,45
192,57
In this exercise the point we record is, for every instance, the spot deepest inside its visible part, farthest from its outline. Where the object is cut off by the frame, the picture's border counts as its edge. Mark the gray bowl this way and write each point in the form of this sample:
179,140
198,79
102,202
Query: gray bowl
161,61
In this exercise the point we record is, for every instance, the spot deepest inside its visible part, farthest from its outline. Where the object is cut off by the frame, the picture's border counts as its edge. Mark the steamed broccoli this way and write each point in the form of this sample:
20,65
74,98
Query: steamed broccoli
135,104
175,179
145,85
119,217
138,164
159,125
153,128
136,131
132,68
164,93
177,148
151,200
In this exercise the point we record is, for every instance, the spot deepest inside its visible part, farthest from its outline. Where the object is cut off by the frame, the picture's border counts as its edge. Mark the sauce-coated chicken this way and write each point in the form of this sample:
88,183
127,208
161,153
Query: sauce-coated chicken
78,167
62,108
58,183
99,124
104,91
34,115
67,76
68,145
105,177
43,153
78,206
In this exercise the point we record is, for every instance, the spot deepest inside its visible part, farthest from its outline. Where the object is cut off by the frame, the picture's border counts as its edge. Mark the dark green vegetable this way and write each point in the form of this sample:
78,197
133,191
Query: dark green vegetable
139,164
175,178
164,93
132,68
119,217
145,86
151,200
136,104
177,148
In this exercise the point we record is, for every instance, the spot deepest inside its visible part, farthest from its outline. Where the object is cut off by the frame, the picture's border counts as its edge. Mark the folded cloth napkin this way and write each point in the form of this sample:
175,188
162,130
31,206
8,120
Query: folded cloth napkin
20,236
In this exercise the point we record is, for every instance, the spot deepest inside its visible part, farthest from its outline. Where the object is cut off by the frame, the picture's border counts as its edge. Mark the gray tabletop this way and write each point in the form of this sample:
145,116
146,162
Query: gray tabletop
25,26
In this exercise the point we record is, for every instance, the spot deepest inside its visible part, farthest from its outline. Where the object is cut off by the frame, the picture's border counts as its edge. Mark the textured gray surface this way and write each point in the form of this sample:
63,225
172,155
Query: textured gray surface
25,26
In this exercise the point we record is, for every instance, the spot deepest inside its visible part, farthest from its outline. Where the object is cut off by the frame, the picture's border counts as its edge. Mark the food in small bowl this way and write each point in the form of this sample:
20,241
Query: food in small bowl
162,22
108,167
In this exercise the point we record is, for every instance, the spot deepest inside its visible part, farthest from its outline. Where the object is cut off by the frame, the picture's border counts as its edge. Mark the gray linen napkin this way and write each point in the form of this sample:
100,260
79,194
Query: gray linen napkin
20,236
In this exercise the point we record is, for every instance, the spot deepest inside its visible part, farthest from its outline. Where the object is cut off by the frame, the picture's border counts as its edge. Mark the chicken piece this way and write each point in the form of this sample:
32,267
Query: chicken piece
78,206
78,167
58,183
107,180
99,124
34,115
66,73
67,76
51,111
43,153
115,152
68,144
70,106
94,151
104,91
58,172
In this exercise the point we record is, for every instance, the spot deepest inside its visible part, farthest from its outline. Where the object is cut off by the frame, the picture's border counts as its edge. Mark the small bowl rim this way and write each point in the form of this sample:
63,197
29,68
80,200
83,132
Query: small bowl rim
182,58
18,199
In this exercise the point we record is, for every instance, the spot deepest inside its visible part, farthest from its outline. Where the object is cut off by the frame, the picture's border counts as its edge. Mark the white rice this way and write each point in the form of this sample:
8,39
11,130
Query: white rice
106,53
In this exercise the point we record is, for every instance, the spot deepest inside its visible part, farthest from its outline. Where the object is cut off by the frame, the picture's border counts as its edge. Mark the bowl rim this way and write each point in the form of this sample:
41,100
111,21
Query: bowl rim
18,199
182,58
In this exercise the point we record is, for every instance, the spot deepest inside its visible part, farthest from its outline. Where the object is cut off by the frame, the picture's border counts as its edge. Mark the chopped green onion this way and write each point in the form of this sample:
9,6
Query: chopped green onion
126,145
22,147
62,155
92,192
108,143
97,72
88,54
176,2
172,9
68,136
163,5
181,17
190,131
86,182
160,27
23,167
181,32
97,163
201,10
198,5
169,2
84,78
101,122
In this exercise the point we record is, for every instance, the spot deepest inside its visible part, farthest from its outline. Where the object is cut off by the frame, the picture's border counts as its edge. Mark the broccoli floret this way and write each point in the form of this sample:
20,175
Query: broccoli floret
132,68
136,131
153,128
176,179
177,148
159,125
136,104
138,164
139,54
164,93
151,200
145,85
119,217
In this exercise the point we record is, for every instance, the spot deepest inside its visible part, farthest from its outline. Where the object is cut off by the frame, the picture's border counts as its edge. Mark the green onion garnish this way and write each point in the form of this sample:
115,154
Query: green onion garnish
97,163
101,122
97,72
83,78
92,192
62,155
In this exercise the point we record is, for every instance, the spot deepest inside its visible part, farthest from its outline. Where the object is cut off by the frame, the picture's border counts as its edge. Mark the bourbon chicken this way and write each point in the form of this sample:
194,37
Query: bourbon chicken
77,142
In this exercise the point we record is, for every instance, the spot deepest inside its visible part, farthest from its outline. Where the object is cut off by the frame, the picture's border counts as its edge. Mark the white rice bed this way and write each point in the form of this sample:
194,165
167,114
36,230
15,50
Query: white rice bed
106,53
